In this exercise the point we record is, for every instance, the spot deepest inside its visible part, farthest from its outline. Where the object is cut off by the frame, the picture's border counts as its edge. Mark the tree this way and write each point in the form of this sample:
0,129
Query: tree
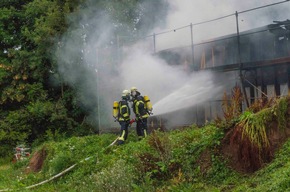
35,95
29,106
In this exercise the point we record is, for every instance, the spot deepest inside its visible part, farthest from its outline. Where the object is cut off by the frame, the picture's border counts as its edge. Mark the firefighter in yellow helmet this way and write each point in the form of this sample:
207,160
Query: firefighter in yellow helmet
123,116
141,112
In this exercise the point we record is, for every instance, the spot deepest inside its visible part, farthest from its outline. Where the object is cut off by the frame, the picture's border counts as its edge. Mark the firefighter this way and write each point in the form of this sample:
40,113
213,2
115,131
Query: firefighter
142,109
121,112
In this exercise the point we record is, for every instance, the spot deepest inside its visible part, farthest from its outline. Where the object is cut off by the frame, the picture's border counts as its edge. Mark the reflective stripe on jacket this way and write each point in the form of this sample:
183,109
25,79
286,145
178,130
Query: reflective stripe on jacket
124,111
139,107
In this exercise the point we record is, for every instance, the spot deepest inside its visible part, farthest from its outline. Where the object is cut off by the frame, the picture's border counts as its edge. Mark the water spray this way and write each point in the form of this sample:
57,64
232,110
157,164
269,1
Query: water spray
198,89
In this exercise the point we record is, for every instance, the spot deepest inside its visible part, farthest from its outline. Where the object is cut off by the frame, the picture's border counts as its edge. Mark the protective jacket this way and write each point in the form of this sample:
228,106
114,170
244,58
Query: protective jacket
139,107
124,111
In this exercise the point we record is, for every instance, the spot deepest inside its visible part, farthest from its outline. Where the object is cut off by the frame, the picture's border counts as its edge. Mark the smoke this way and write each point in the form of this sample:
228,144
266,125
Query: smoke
170,88
150,74
93,78
184,12
106,70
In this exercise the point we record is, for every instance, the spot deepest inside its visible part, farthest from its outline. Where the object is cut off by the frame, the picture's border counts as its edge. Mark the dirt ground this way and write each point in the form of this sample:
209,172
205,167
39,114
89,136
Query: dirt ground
37,160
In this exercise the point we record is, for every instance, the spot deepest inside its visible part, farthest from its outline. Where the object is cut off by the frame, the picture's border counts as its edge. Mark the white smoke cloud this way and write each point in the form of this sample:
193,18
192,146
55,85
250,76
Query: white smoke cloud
184,12
187,11
150,74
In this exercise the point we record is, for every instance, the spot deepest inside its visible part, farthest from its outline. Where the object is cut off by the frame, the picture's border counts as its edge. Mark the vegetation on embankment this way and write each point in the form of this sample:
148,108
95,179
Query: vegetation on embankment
164,160
192,159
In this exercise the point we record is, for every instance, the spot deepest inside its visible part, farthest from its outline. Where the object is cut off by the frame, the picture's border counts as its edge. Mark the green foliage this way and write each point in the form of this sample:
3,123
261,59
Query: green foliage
33,110
275,176
31,107
20,164
117,177
193,151
38,121
189,147
35,92
161,143
13,130
157,162
219,172
280,111
60,162
31,37
254,127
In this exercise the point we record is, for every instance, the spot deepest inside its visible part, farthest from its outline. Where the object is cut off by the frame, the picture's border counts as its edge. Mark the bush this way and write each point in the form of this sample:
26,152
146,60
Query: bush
117,178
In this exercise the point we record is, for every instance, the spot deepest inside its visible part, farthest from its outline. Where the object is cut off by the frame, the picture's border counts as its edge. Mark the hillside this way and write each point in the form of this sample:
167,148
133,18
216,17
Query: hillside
250,153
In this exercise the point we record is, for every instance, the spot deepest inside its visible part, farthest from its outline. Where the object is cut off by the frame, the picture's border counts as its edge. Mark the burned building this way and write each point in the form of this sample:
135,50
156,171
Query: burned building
259,59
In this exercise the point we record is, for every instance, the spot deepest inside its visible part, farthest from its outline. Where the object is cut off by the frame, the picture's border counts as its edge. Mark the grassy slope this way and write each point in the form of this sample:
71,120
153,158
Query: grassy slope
186,160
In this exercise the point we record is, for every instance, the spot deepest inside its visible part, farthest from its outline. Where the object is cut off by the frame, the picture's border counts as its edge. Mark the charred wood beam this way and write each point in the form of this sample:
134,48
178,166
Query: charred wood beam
251,65
276,83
